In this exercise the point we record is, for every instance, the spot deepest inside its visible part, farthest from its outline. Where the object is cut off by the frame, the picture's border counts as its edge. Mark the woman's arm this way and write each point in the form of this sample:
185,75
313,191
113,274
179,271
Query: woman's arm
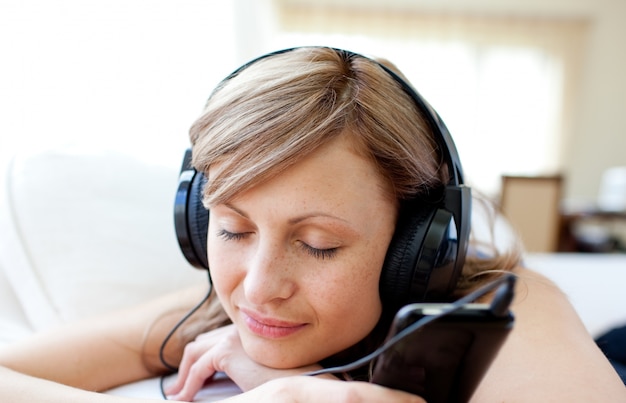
17,387
103,352
21,388
549,355
312,389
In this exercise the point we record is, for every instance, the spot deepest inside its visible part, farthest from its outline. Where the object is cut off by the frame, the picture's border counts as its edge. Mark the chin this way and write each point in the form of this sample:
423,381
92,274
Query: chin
279,356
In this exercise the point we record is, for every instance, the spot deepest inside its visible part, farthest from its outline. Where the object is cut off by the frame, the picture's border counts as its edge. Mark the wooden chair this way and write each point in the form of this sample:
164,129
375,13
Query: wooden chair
532,205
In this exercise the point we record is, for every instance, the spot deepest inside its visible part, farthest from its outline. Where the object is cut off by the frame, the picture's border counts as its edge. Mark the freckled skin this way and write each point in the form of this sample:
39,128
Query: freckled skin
304,252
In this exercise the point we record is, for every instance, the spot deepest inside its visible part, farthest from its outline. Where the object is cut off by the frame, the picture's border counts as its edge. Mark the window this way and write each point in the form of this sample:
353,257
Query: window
499,83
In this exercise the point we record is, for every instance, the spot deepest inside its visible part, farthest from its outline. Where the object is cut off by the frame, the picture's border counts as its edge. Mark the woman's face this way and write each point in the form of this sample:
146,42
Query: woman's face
296,260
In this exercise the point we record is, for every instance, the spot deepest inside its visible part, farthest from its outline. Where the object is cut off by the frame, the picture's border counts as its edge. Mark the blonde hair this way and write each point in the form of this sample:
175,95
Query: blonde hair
279,109
284,107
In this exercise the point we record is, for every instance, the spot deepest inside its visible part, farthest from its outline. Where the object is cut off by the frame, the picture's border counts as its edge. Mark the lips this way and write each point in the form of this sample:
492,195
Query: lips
270,328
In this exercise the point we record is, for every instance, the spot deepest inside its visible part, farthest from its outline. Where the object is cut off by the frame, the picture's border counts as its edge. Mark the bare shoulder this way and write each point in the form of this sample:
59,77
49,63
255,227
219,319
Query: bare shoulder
549,353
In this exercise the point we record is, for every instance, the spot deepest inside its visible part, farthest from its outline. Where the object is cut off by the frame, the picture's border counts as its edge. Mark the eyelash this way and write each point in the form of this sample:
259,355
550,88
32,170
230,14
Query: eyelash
231,236
321,254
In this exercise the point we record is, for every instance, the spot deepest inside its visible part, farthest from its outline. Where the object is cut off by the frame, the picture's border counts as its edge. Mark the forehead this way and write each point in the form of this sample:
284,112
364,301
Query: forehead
234,173
335,172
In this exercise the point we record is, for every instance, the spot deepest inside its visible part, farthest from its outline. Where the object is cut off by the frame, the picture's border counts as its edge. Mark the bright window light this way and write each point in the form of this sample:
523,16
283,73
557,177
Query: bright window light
125,75
501,104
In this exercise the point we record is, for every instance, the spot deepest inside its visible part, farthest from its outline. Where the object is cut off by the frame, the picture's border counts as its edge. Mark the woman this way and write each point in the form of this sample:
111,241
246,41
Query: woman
313,158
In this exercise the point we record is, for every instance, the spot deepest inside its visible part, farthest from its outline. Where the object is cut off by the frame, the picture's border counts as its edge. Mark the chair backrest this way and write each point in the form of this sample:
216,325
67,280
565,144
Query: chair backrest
532,205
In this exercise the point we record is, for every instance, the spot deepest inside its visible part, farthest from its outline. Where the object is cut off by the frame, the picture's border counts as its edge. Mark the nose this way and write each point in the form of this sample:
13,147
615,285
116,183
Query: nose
269,276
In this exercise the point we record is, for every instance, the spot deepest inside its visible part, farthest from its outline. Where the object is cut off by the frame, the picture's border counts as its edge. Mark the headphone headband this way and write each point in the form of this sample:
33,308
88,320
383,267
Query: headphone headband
440,132
427,252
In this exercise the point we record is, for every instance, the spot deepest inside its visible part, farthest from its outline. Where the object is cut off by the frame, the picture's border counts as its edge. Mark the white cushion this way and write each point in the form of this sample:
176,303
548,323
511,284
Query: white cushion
218,389
86,231
13,322
593,282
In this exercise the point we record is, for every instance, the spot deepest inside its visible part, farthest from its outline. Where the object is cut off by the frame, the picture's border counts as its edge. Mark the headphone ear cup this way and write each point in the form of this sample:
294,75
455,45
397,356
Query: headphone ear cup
198,220
191,219
420,257
402,256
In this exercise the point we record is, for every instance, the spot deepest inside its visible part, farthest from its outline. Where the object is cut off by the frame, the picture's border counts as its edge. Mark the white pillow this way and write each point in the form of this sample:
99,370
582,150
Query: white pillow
593,282
13,322
86,231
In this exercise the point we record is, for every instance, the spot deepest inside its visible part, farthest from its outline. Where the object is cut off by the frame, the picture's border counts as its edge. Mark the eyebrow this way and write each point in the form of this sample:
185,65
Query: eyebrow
236,210
294,220
305,217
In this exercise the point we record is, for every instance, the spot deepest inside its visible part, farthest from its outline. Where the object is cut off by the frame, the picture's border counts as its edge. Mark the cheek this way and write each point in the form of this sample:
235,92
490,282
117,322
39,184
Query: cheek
350,301
224,274
354,306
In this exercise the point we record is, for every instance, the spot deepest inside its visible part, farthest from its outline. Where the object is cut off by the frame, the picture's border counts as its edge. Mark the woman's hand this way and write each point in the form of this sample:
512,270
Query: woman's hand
220,350
312,389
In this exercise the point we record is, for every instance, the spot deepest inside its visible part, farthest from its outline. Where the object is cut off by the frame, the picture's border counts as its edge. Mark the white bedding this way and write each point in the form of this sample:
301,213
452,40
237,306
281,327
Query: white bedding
594,283
220,388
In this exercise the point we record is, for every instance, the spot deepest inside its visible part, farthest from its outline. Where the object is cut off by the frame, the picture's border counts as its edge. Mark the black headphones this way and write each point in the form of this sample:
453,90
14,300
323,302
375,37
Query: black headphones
427,252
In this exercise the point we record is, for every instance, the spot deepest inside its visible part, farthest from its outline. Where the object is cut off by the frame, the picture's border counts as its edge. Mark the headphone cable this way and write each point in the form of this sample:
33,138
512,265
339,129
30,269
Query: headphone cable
500,300
170,334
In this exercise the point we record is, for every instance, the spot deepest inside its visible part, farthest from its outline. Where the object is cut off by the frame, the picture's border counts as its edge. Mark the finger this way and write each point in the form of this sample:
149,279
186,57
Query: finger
192,352
199,372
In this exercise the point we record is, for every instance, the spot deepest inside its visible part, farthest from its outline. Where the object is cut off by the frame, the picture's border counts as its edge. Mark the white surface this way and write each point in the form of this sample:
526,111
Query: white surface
594,283
612,194
13,322
87,231
220,388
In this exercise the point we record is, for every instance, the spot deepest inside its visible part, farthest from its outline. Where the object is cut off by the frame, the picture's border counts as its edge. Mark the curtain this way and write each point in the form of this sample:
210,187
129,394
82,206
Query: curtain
502,83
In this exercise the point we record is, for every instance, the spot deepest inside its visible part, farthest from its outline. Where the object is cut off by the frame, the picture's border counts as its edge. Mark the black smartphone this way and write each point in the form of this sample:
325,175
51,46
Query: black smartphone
445,360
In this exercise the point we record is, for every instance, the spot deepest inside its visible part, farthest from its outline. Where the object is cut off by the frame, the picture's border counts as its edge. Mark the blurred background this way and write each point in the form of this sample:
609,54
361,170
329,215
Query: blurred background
528,88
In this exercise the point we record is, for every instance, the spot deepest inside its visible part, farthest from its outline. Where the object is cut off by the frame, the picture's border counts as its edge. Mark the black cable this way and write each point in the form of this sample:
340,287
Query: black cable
452,307
503,297
496,306
174,329
162,387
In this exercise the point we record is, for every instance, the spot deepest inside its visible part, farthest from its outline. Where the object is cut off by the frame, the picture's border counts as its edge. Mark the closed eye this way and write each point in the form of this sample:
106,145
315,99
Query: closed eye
231,236
317,253
321,254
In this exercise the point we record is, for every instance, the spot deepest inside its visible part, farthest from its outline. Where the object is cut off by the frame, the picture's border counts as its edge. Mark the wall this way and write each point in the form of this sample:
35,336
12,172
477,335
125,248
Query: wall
598,138
126,75
596,135
146,66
